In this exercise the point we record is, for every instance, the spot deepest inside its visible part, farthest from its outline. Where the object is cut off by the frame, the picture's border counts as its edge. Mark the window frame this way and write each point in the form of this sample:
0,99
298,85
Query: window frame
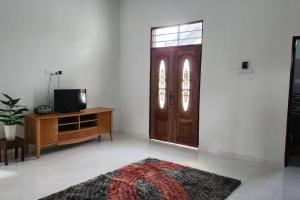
188,23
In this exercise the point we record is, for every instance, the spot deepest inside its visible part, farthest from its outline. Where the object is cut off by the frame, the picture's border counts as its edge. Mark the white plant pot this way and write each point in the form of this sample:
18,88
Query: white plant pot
10,132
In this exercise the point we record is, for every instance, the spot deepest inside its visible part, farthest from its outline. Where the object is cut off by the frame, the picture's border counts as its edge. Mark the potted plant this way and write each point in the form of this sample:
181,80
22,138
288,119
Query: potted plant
11,115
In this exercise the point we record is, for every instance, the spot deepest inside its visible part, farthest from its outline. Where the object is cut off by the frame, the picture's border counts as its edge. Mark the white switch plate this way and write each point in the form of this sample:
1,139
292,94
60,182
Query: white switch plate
246,71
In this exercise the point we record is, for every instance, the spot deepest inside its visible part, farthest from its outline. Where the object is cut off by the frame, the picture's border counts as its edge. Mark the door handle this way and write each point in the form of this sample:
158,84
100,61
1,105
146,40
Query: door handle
170,99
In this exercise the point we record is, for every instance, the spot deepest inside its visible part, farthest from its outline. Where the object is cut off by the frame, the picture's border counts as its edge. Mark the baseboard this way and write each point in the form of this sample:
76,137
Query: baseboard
137,135
214,151
243,157
219,152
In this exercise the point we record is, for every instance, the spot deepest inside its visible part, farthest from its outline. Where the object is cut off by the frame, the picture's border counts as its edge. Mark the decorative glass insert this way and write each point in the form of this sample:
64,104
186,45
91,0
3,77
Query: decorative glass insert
186,85
179,35
162,84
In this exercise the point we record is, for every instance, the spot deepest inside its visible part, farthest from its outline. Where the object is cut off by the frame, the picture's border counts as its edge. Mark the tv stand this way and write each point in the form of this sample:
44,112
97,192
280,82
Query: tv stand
67,128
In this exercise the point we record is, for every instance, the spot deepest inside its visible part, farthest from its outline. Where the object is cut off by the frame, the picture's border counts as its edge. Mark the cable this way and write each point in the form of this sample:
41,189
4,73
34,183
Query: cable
58,83
49,86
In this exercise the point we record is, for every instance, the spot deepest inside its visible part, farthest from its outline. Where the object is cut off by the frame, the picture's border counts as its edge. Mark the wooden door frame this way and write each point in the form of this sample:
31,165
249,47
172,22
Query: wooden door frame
198,102
150,88
292,70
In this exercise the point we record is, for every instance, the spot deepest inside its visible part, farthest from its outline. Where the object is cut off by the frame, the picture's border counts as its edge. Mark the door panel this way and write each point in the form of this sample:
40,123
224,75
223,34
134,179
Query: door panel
174,111
186,95
161,111
292,148
49,131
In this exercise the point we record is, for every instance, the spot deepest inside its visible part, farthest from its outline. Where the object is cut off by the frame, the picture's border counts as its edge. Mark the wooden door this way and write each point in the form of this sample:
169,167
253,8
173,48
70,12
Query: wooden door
174,114
161,111
186,95
292,143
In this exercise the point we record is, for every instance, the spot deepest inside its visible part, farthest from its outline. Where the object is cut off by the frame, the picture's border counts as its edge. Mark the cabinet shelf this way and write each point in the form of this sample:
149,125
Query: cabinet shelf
68,131
66,124
91,120
69,127
88,117
68,120
89,124
88,128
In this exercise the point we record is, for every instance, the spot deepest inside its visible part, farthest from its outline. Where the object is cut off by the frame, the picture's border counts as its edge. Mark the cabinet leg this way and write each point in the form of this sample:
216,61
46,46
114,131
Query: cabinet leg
5,156
26,147
99,137
38,139
37,152
16,153
22,153
111,125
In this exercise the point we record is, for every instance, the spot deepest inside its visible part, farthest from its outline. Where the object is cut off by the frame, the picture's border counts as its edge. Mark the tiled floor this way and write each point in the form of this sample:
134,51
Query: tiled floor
66,166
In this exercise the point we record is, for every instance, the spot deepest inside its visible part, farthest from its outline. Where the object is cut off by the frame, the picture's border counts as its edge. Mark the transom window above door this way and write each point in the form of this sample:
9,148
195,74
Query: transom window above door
178,35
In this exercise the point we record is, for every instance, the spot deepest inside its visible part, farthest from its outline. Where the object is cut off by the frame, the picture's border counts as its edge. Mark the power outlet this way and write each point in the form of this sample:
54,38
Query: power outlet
49,72
52,72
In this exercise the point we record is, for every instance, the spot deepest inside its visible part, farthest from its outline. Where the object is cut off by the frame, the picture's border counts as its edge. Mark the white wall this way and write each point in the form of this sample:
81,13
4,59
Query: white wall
240,114
81,38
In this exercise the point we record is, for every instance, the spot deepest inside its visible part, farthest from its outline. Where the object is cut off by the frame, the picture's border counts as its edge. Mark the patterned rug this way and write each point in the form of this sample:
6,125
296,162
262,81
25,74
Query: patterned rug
151,179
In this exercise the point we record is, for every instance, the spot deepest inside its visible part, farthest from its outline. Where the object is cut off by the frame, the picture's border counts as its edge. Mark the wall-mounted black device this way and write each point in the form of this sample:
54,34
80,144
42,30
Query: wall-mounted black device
245,65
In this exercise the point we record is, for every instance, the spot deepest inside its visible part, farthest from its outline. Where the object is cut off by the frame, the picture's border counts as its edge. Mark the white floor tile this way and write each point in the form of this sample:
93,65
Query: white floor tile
62,167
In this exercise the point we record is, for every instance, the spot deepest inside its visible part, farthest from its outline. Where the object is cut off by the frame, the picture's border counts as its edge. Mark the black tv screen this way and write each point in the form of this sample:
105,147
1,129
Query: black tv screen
70,100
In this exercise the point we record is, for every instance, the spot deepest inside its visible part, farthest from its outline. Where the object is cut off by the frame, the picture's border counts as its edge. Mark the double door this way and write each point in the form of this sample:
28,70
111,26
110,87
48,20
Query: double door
175,94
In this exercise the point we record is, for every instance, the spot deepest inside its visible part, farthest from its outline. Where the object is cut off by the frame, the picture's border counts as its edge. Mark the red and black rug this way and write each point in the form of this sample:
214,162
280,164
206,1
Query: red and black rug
151,179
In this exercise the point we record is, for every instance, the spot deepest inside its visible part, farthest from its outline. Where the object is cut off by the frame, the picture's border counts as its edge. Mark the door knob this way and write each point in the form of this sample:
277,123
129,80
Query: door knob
170,99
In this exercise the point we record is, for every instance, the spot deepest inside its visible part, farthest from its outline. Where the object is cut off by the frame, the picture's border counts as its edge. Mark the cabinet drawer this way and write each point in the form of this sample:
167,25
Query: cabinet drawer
62,137
68,136
89,132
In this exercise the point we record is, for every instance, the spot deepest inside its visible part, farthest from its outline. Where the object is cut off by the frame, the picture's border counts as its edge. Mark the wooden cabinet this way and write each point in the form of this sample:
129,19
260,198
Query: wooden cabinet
67,128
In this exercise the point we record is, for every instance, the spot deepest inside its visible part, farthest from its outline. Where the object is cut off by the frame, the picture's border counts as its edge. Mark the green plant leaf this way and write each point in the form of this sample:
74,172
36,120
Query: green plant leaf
8,97
20,106
5,110
14,102
13,114
7,103
19,117
20,111
5,121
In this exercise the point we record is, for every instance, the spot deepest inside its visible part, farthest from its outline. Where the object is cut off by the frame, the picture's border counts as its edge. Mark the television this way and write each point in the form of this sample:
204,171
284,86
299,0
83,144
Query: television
69,100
